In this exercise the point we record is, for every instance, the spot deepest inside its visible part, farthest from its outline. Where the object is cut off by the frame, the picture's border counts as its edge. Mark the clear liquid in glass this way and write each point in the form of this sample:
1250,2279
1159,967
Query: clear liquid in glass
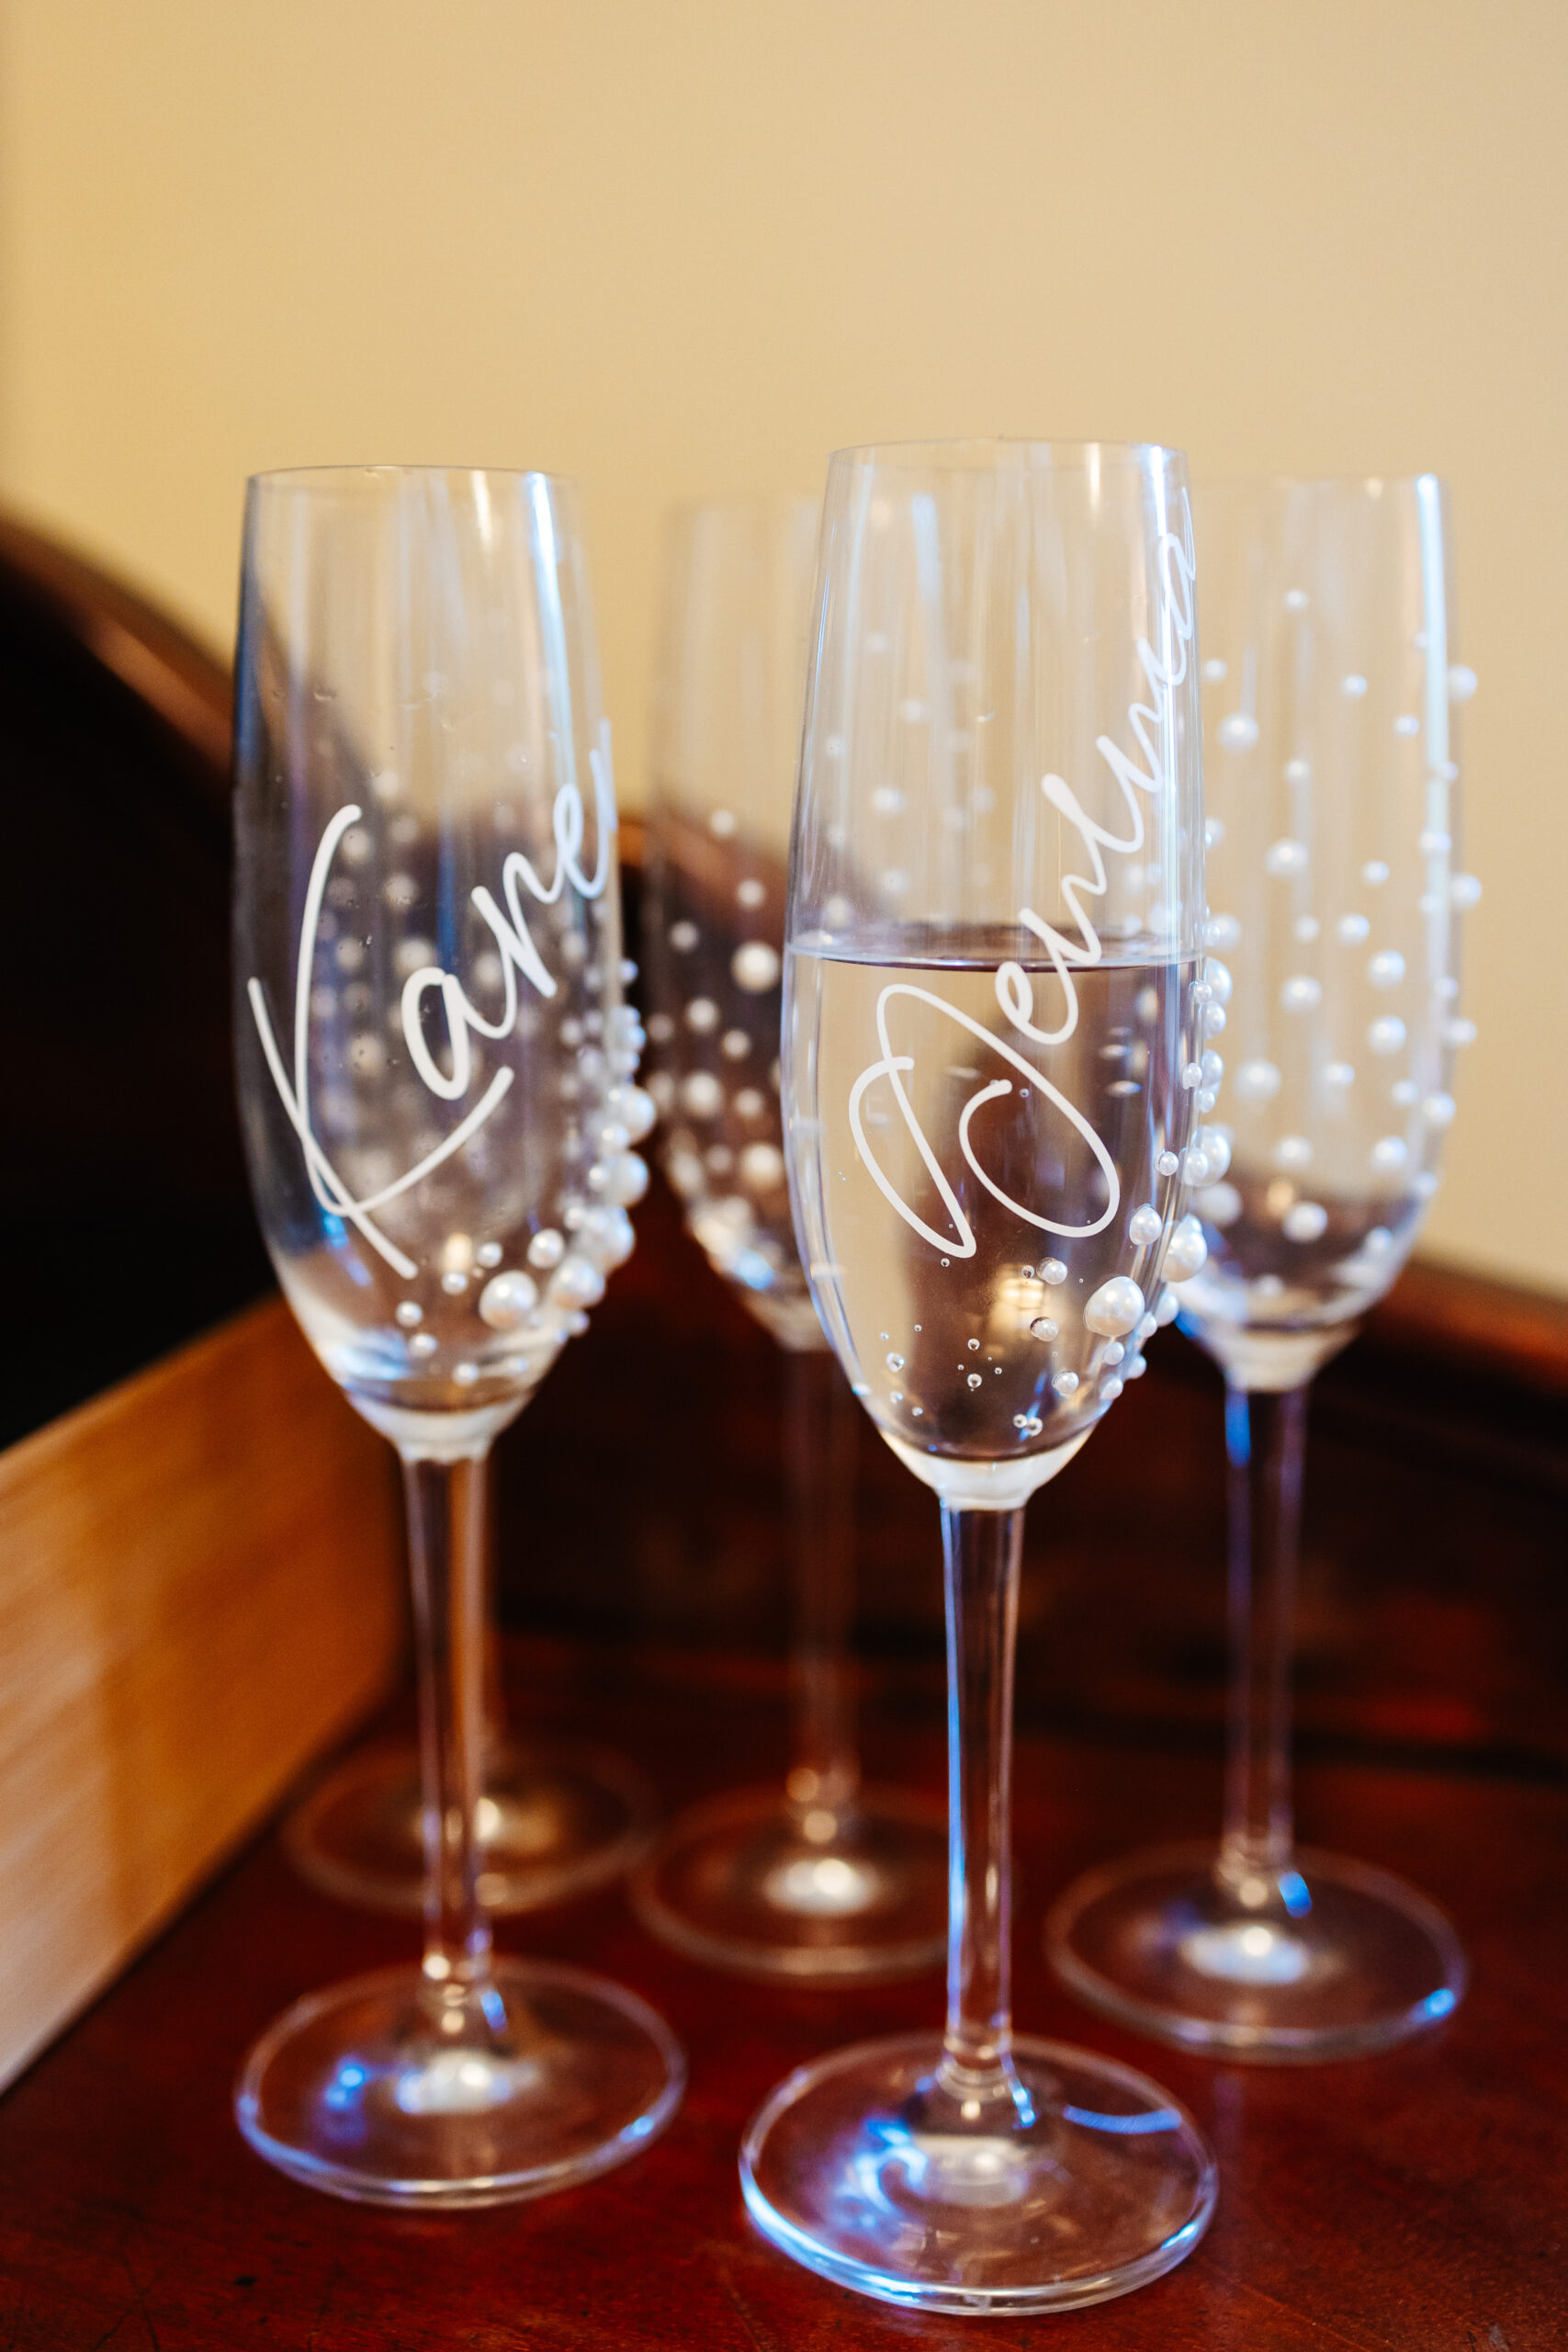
986,1356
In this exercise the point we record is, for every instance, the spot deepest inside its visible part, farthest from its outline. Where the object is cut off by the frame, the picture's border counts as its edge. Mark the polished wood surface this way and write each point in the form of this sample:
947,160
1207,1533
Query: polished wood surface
199,1586
1413,2201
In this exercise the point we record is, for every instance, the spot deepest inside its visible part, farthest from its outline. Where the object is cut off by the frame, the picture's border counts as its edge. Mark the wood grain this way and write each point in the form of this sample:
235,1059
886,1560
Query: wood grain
200,1587
1408,2203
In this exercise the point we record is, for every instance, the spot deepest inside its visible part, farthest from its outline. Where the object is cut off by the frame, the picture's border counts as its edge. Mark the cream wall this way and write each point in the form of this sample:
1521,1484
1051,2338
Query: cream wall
696,243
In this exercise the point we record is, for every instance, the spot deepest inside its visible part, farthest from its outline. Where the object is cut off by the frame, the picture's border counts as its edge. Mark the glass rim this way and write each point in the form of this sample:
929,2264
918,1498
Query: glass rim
325,477
968,453
740,501
1359,485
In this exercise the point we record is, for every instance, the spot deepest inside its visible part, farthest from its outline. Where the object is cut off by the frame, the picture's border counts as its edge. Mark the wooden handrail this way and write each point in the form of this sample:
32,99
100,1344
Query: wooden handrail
159,663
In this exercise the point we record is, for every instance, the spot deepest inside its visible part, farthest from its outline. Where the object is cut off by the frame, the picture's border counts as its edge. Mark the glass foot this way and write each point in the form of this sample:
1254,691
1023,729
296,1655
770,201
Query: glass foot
739,1883
552,1823
1330,1959
377,2090
1088,2183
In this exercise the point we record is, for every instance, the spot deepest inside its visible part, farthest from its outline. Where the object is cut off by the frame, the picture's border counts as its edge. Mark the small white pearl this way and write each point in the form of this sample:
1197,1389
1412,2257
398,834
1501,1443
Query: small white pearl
1285,857
621,1181
1115,1309
754,967
1187,1252
1257,1081
577,1282
508,1300
703,1095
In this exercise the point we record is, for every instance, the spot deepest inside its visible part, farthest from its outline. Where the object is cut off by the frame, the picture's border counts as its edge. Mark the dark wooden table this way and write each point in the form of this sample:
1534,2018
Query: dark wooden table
1417,2200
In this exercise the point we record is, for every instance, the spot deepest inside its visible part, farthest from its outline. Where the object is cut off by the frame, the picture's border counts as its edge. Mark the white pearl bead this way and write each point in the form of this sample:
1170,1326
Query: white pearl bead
1116,1307
507,1301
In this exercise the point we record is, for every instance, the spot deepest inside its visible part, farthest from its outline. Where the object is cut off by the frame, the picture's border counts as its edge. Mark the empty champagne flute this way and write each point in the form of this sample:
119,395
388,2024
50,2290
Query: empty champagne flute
1333,791
436,1087
818,1878
993,1069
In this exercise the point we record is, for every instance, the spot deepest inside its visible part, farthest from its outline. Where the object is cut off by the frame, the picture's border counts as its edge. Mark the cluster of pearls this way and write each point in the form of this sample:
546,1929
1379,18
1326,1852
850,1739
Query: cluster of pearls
537,1305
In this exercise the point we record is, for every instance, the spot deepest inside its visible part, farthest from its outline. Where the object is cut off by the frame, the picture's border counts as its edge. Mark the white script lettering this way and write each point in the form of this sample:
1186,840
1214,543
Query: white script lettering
517,953
1151,725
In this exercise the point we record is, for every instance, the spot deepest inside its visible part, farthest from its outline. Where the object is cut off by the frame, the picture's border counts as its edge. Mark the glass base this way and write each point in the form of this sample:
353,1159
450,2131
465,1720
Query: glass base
1089,2183
1330,1959
547,2078
739,1883
552,1823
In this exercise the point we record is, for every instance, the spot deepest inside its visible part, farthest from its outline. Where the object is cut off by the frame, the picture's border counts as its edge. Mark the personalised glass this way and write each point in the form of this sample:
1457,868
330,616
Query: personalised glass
992,1070
1332,870
818,1878
436,1085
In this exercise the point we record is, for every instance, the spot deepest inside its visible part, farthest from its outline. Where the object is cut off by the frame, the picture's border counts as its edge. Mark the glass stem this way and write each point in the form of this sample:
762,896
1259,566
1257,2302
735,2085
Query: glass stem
981,1551
1264,1431
495,1730
447,1516
822,1435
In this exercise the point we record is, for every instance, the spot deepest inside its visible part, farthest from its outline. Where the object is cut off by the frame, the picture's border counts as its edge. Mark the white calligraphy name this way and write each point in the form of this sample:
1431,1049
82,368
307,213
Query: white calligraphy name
1152,727
517,954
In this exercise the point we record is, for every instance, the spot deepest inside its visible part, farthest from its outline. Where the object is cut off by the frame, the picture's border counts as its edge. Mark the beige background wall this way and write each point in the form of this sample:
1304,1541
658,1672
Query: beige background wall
669,246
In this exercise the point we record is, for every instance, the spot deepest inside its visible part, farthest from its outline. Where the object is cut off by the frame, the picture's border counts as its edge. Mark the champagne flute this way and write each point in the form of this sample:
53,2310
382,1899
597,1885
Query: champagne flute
1334,799
993,1069
435,1077
820,1878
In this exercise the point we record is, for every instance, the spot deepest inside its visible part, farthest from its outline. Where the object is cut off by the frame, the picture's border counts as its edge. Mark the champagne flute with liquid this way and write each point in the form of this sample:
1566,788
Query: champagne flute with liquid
994,1074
